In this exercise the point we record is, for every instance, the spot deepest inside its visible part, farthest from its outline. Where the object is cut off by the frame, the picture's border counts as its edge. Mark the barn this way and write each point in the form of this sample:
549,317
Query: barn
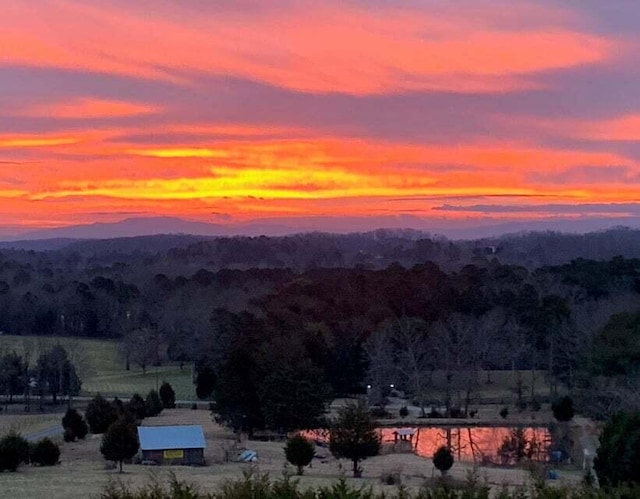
182,444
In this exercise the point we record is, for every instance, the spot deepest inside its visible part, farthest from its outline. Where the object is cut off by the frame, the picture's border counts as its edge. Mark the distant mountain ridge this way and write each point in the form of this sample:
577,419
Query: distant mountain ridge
129,227
465,229
374,249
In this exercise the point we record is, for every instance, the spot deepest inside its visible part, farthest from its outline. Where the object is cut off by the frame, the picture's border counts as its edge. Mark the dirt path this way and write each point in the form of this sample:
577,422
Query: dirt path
52,432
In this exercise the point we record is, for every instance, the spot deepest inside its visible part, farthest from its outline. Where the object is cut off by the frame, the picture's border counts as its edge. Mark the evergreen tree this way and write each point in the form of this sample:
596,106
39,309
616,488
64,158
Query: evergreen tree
56,374
44,453
299,451
443,459
120,442
354,436
153,404
75,425
259,383
138,407
12,371
168,396
14,450
123,411
205,383
237,401
618,458
100,414
290,379
68,436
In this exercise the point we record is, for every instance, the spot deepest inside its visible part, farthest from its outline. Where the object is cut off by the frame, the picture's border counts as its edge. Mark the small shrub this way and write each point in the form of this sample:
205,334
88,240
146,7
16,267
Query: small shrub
110,466
194,406
254,486
535,405
588,479
14,450
68,436
45,453
516,447
563,409
403,412
391,478
299,451
443,459
473,482
433,413
456,413
504,412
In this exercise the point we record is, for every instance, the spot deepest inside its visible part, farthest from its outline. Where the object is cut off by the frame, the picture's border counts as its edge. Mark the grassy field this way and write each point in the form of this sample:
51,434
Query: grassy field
135,381
27,423
82,473
101,368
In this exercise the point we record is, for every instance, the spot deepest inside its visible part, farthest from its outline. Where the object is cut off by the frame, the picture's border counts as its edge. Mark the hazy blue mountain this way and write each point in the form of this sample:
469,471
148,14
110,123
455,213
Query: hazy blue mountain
459,230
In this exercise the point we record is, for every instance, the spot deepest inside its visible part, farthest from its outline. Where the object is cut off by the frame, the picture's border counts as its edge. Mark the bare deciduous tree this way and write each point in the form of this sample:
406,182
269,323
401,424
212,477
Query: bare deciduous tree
144,346
414,357
379,352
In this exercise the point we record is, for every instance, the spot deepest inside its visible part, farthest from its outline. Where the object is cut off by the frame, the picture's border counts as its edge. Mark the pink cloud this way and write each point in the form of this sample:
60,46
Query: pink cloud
313,47
83,107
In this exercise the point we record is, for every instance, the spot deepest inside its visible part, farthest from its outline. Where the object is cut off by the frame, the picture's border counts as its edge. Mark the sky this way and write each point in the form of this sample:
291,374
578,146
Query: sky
447,112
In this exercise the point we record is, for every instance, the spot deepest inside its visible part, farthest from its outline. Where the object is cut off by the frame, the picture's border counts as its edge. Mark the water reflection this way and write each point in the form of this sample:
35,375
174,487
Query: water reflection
484,445
478,444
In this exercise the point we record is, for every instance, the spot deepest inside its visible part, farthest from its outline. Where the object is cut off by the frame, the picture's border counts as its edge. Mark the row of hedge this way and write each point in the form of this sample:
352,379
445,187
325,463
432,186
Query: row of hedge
16,450
262,487
101,413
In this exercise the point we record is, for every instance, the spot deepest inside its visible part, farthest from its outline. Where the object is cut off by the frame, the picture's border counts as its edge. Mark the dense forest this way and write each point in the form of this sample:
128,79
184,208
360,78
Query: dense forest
343,311
377,249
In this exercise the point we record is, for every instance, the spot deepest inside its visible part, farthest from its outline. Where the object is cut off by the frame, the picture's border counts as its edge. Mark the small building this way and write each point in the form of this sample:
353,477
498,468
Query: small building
403,435
183,444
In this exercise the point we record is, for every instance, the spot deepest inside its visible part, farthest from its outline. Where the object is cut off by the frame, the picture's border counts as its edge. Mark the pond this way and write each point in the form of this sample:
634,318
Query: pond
479,444
499,445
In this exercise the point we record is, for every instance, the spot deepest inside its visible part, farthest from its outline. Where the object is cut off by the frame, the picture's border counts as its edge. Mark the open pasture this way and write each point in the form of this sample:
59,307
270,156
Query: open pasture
126,383
101,367
497,387
82,472
26,424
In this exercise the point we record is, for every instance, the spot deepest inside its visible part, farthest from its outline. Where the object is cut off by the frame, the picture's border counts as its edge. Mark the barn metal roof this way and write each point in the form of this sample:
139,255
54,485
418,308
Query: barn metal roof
171,437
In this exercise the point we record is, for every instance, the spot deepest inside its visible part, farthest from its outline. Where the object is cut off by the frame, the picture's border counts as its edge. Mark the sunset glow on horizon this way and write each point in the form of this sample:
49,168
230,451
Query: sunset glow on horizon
230,111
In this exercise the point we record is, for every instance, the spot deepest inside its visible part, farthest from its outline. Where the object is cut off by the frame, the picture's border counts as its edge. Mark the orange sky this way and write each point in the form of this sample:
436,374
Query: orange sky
230,111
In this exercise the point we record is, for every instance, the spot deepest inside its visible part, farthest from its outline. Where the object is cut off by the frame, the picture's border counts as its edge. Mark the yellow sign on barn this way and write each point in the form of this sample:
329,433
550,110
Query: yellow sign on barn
173,454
